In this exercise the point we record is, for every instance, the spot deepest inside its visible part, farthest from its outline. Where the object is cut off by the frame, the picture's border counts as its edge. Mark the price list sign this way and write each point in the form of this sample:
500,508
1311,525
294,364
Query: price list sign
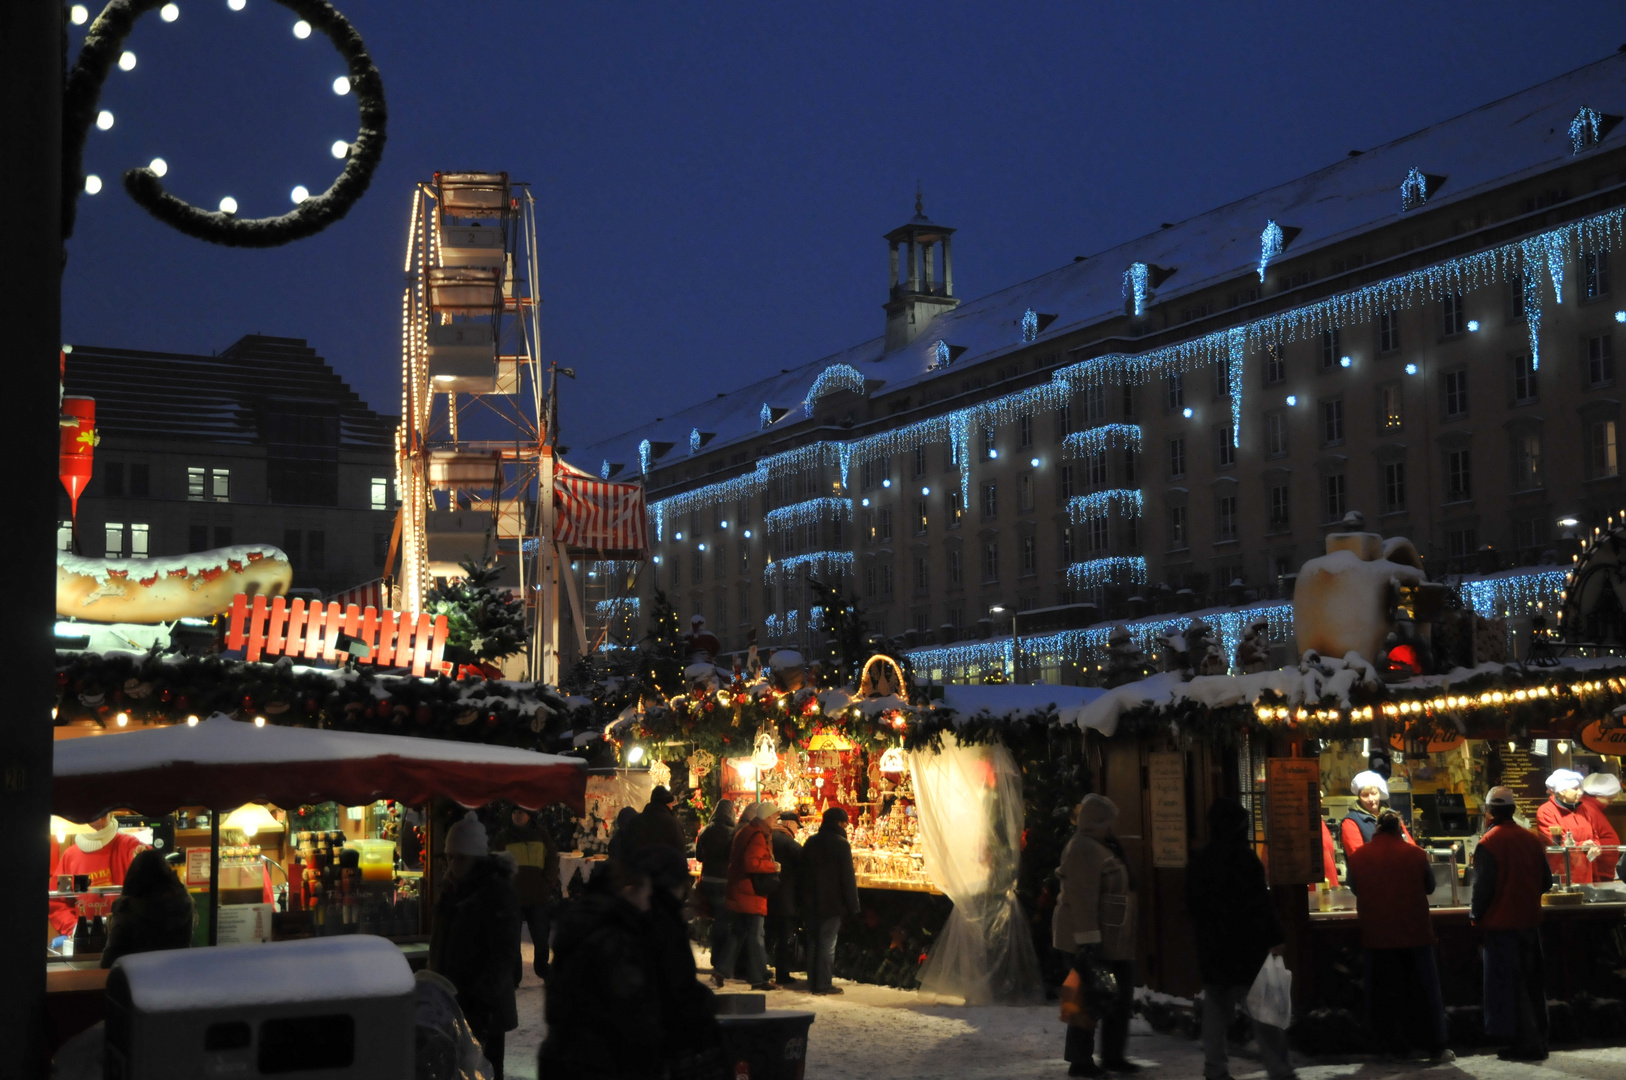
1166,779
1293,820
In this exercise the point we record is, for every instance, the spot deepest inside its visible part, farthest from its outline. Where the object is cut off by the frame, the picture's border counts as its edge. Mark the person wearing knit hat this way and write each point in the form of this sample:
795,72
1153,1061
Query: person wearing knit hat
1510,875
1597,791
474,940
1562,823
1371,791
1094,921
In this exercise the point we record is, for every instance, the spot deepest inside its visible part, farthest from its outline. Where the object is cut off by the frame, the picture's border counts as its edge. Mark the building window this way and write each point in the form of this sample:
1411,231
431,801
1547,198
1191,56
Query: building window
1394,486
1459,476
1024,431
114,534
886,524
220,485
1461,543
1276,433
197,539
920,516
113,478
1024,492
140,480
1332,422
1129,468
697,567
1175,393
990,560
1329,348
1095,403
866,527
1226,456
886,581
1096,535
1066,482
920,461
1027,550
197,481
138,540
1281,517
1527,462
1064,422
1452,319
1388,331
1095,466
722,559
954,507
1275,365
1524,381
990,501
1177,458
1222,379
1456,394
1594,274
1177,527
1604,461
1129,401
224,539
922,579
989,448
1225,519
381,493
1335,503
1068,552
956,567
1528,535
1390,414
1600,361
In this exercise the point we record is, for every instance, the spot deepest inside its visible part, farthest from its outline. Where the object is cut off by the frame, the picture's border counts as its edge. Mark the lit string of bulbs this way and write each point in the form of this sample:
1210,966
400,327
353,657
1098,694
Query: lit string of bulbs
1081,444
1098,504
817,563
831,379
807,513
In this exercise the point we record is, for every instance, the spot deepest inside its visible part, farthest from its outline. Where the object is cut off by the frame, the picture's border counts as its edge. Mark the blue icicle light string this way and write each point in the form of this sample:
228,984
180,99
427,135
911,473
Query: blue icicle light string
1103,437
1135,280
1098,504
1270,246
1413,190
831,379
1030,326
1584,129
806,513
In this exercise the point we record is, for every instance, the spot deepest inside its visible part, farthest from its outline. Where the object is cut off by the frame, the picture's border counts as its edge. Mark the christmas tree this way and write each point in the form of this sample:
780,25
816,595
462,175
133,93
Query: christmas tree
481,617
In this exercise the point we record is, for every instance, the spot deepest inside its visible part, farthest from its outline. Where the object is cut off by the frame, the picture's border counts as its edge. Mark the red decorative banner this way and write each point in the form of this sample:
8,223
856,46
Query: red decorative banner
280,628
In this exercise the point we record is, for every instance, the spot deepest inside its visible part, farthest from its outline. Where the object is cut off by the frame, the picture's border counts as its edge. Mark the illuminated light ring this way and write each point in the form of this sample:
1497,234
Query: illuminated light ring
897,669
104,42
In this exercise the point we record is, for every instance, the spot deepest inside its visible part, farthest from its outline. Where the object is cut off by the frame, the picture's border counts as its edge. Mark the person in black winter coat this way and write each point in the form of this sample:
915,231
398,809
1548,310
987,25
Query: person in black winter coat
712,848
1237,928
621,837
692,1047
474,941
604,1001
656,825
784,924
830,891
154,911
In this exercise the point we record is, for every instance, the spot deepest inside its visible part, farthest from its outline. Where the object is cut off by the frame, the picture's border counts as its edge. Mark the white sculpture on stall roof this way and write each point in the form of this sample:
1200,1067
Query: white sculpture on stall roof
1343,600
1203,653
1253,651
1125,661
1174,655
702,678
789,670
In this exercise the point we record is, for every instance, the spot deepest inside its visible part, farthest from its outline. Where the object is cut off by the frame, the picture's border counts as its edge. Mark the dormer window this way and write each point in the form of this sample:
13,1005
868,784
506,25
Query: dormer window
1414,190
644,451
1136,283
694,441
1270,246
604,470
1585,130
1030,325
940,353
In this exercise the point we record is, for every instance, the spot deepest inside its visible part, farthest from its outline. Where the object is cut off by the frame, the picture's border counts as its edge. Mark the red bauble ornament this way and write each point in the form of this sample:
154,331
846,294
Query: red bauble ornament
491,720
382,710
248,703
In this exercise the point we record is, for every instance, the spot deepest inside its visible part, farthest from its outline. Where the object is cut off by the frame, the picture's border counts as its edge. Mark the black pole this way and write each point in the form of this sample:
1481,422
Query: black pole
31,46
214,877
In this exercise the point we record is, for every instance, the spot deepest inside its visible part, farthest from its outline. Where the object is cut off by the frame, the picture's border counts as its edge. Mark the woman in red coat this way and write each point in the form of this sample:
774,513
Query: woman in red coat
1371,791
1563,823
1597,792
750,862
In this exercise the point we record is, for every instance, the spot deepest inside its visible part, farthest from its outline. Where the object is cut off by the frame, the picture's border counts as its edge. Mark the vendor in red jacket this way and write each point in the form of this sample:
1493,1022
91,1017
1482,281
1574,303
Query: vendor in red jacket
1562,822
1371,791
103,854
1510,874
1392,880
1597,792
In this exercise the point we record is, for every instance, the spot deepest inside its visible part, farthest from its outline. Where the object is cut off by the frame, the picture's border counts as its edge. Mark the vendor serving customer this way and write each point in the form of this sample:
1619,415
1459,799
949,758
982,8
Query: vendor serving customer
1563,822
1371,791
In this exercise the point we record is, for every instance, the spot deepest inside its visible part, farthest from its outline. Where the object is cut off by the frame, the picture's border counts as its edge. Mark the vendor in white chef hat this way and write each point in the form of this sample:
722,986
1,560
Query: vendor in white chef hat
1371,791
1597,791
1563,823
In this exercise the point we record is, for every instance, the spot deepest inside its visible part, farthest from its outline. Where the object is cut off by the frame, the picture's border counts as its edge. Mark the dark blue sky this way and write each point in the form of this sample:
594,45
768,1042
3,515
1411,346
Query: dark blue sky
714,179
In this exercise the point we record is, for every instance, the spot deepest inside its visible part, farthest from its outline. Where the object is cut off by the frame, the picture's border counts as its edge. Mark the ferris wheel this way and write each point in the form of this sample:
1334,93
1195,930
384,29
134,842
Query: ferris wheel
473,448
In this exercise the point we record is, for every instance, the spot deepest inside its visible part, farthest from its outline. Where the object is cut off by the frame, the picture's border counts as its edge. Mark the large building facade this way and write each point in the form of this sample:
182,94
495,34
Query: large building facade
260,444
1423,332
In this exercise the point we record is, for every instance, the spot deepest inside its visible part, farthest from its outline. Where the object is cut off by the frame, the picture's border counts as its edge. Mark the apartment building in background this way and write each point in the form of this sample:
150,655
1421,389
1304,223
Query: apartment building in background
262,443
1423,332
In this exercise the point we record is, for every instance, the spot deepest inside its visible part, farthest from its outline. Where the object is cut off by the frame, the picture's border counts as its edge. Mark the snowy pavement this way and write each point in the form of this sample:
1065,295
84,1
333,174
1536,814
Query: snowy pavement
876,1033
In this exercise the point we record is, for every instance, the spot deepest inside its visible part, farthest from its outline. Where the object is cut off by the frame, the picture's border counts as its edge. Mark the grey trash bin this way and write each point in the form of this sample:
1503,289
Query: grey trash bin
769,1045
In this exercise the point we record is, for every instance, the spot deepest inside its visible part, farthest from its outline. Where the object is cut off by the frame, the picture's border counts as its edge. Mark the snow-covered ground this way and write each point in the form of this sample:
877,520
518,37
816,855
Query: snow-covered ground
875,1033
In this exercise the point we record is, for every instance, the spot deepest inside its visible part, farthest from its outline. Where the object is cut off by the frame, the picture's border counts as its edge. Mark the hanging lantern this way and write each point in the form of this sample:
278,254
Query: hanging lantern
766,755
77,445
893,764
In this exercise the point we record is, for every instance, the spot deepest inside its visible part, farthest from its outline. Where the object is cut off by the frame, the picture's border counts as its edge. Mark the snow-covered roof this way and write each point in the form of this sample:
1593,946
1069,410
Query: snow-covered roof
1522,135
359,967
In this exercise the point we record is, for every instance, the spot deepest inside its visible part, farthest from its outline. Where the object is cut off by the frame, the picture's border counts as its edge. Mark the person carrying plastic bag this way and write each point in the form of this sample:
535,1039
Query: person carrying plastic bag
1237,931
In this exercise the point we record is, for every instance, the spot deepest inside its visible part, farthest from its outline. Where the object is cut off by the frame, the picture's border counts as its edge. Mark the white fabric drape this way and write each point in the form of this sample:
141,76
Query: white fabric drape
969,799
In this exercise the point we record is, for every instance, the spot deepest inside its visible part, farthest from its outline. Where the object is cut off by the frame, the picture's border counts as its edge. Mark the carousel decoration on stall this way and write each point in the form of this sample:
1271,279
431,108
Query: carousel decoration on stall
1592,608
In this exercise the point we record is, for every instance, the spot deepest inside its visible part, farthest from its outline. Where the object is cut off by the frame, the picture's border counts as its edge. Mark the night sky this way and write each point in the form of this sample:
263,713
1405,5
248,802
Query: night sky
713,180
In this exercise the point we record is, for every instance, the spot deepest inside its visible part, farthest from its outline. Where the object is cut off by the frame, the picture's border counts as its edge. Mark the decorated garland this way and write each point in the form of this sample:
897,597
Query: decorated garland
103,43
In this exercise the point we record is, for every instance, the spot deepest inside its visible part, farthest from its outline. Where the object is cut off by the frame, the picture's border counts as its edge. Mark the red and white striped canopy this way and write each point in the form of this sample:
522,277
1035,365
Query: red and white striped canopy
596,515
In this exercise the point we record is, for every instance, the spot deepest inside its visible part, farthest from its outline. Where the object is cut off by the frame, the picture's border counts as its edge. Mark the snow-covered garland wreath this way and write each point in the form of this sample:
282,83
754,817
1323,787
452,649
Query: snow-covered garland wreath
104,41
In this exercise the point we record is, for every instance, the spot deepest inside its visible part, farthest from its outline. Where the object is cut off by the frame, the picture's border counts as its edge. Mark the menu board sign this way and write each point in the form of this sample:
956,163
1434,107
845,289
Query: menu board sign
1293,820
244,924
1166,781
197,866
